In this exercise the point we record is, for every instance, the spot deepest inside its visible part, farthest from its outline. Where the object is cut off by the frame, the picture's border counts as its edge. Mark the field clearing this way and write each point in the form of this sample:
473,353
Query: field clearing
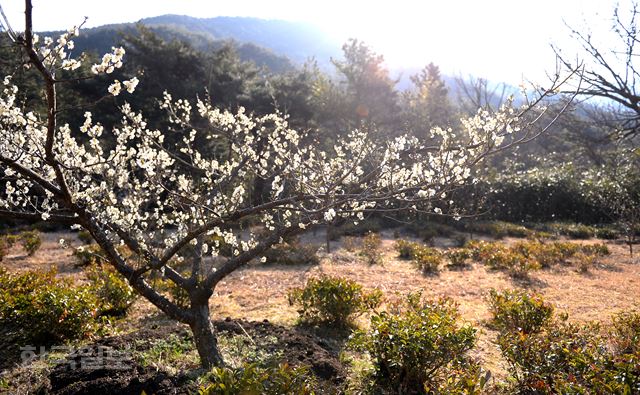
259,292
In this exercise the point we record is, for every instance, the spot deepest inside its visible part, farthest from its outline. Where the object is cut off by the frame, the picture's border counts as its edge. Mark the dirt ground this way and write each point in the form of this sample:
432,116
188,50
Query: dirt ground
259,292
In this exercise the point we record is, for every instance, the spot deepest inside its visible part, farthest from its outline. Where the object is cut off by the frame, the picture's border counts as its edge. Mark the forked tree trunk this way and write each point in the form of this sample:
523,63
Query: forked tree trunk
205,337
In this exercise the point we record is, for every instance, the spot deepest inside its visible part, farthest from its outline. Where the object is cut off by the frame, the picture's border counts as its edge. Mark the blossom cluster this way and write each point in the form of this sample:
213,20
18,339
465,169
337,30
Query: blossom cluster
194,185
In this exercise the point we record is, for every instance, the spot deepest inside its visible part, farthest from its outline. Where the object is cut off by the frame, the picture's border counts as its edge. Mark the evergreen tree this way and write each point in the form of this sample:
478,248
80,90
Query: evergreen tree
427,105
368,93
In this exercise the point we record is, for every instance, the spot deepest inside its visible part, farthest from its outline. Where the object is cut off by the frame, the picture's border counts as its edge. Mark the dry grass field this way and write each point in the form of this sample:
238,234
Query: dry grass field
258,292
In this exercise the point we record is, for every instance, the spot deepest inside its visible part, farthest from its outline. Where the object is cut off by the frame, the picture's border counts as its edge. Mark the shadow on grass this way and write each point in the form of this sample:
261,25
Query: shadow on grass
528,282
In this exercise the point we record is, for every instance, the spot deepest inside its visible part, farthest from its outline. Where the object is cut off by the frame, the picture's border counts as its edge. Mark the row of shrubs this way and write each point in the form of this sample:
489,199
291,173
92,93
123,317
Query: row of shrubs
48,309
518,259
502,229
524,256
420,346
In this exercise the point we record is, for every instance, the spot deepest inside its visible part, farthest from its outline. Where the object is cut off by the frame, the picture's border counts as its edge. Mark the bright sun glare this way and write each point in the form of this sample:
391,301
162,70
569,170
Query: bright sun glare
503,40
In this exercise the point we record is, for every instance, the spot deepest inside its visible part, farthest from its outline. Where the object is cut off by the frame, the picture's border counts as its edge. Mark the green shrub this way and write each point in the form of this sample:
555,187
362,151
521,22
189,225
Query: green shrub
498,229
369,225
585,262
421,348
89,255
555,360
512,261
405,248
292,253
45,308
607,233
178,295
579,231
480,250
350,243
371,244
251,379
458,257
5,244
625,332
599,249
527,255
30,241
518,311
558,357
572,230
427,259
502,258
333,300
546,255
85,237
114,294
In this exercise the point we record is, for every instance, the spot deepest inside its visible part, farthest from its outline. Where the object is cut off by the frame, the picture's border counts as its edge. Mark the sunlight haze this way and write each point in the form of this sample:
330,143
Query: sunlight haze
499,40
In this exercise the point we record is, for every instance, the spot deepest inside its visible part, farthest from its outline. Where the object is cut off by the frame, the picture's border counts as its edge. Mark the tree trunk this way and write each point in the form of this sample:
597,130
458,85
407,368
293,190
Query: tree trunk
205,337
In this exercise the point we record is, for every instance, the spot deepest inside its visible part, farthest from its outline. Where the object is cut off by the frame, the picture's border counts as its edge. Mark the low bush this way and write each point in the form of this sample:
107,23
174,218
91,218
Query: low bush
29,240
351,243
333,300
572,230
405,248
89,255
518,311
85,237
252,379
607,233
585,262
498,229
425,258
178,295
292,253
546,255
480,249
527,255
371,244
625,332
428,230
555,360
421,348
115,295
369,225
499,257
554,356
458,257
44,308
599,249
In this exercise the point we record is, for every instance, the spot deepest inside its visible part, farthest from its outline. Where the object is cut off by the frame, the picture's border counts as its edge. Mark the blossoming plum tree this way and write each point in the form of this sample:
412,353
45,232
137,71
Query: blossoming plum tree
175,205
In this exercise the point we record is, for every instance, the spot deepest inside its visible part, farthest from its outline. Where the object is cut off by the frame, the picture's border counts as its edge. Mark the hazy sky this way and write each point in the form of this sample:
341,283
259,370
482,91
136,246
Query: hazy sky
502,40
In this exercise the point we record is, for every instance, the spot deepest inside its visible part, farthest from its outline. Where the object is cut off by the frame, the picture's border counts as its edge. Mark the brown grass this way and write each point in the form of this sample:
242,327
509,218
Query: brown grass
259,292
